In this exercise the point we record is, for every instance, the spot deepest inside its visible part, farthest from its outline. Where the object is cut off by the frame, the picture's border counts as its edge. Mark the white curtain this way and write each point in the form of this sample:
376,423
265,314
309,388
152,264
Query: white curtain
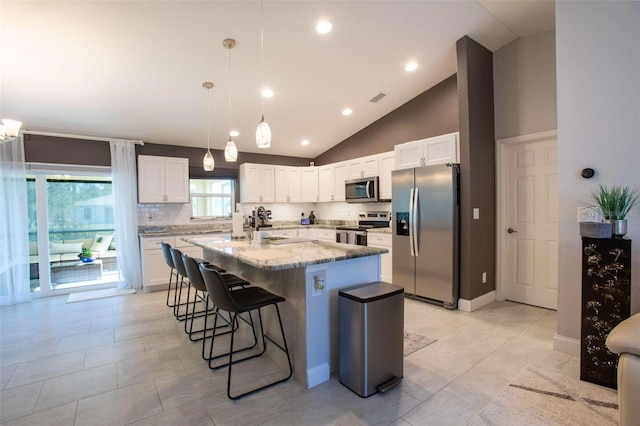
123,170
14,237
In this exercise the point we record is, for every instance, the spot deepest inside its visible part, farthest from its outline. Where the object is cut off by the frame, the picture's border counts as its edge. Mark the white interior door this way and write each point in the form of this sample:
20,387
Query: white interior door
529,225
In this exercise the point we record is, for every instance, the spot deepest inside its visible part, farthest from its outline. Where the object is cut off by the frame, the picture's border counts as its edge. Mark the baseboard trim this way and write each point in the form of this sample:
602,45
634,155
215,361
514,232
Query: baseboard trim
567,345
477,303
318,374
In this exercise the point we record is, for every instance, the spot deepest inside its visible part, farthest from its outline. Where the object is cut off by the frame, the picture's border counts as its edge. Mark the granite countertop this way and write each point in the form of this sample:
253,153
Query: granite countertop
284,255
379,230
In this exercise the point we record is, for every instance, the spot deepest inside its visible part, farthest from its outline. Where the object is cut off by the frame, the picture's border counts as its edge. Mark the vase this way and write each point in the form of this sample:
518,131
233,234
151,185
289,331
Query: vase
619,227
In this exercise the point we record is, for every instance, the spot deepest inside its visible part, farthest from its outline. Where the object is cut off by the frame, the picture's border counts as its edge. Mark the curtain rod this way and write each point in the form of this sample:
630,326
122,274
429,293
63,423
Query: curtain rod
92,138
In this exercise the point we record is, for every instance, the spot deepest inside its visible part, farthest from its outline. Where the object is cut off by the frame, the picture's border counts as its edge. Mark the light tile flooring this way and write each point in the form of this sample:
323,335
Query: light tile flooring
126,360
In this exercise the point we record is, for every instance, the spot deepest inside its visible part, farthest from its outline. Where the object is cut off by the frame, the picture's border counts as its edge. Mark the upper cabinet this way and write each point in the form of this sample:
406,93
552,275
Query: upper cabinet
426,152
257,183
363,167
287,184
309,181
163,179
331,181
386,164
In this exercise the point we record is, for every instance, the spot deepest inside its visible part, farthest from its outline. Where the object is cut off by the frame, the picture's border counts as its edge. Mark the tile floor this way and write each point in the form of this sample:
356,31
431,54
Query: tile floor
126,360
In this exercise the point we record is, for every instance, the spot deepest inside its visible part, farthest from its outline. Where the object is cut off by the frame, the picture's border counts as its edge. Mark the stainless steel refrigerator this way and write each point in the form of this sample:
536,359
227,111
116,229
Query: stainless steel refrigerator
426,233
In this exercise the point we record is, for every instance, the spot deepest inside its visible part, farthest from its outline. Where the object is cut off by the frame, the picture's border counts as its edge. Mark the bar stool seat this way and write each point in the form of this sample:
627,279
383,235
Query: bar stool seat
238,301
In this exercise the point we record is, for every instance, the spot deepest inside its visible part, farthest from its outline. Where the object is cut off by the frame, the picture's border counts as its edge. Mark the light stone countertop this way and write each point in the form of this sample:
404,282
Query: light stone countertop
379,231
284,256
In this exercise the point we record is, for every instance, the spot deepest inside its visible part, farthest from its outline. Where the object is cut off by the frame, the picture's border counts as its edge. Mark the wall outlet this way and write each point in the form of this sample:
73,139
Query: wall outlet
319,283
588,214
484,277
476,213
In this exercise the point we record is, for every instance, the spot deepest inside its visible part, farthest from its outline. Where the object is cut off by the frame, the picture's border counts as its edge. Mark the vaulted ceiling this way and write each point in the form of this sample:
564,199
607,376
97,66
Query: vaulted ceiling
135,69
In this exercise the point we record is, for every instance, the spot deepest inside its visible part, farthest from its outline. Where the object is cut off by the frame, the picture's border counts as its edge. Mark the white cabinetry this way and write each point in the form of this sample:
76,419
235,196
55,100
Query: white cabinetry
309,180
256,183
331,181
426,152
380,240
386,163
287,184
163,179
362,167
326,234
285,233
155,271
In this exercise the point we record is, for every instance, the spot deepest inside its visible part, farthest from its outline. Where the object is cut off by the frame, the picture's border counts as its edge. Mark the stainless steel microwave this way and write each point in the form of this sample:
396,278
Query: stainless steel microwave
362,190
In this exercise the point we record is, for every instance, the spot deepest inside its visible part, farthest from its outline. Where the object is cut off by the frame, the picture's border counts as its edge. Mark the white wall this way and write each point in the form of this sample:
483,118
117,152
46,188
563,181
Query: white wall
524,81
598,79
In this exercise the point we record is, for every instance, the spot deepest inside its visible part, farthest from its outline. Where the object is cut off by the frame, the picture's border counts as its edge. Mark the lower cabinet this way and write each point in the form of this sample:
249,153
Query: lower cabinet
155,271
380,240
326,234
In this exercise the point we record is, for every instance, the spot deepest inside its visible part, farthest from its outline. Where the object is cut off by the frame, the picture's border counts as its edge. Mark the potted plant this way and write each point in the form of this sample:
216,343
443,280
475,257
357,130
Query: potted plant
86,255
614,203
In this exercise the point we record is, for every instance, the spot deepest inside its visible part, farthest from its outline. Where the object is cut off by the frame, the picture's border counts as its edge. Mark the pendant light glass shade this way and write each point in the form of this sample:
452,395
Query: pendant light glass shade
9,128
263,134
230,151
208,162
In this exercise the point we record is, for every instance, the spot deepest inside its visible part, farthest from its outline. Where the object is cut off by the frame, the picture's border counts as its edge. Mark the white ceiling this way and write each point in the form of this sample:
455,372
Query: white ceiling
135,69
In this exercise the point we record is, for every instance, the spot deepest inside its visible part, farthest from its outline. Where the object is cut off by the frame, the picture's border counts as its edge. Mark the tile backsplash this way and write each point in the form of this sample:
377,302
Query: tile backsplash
180,214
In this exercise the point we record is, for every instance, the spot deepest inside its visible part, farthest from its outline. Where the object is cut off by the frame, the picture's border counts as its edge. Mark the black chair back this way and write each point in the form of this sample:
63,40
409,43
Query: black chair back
176,255
217,289
166,251
193,272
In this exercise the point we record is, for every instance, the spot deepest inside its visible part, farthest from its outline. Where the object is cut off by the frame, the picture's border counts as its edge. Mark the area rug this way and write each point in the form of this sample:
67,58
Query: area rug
541,397
97,294
414,342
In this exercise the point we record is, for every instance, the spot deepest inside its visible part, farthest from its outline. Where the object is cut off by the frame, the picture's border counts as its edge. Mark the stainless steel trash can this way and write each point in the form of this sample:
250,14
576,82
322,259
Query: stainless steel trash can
371,332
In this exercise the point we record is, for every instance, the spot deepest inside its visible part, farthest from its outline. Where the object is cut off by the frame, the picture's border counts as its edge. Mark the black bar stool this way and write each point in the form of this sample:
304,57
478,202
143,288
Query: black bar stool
236,302
166,251
196,281
176,255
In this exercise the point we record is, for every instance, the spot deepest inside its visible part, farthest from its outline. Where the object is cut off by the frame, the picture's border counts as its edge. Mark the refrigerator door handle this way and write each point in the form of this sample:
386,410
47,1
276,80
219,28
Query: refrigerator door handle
411,222
414,222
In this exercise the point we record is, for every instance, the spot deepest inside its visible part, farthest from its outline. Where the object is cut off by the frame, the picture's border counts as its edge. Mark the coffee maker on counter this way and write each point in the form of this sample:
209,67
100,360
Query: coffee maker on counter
259,218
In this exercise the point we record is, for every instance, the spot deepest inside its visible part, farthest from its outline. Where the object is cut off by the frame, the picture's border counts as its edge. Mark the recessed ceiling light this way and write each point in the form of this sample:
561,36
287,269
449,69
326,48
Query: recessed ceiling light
324,27
347,111
411,66
267,93
304,142
234,133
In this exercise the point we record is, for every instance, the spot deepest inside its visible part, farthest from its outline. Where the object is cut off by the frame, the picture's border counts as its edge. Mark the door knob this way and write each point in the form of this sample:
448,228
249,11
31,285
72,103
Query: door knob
511,231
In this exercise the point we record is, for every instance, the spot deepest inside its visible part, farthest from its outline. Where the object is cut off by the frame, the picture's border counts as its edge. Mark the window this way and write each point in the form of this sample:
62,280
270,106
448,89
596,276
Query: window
212,197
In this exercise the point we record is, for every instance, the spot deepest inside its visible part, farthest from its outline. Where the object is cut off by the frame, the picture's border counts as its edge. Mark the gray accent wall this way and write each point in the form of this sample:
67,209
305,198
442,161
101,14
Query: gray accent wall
432,113
477,168
524,77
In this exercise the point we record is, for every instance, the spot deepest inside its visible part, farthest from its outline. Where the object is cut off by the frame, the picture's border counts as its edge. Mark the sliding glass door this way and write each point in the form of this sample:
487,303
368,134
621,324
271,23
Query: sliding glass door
71,229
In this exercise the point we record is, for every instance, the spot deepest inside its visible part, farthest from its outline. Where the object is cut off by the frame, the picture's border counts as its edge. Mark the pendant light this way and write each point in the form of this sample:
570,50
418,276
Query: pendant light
208,162
263,132
230,149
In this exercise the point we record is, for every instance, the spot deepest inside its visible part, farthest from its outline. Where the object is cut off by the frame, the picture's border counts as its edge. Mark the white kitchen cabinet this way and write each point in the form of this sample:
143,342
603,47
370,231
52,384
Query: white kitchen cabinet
287,184
257,183
163,179
383,240
386,162
303,233
326,234
285,233
155,271
331,181
362,167
309,180
426,152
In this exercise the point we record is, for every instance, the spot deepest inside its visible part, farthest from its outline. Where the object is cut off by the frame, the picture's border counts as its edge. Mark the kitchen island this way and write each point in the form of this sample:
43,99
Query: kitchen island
308,274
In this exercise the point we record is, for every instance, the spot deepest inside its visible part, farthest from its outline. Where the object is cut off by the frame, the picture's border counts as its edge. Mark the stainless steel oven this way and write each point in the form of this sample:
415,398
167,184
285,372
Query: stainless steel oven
351,236
357,235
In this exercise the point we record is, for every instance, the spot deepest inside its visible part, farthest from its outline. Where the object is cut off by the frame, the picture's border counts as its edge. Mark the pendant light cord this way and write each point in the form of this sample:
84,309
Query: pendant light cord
208,119
262,53
229,115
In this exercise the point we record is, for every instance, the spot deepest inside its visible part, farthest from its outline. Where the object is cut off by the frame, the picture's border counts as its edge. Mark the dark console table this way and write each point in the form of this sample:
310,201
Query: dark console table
606,300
